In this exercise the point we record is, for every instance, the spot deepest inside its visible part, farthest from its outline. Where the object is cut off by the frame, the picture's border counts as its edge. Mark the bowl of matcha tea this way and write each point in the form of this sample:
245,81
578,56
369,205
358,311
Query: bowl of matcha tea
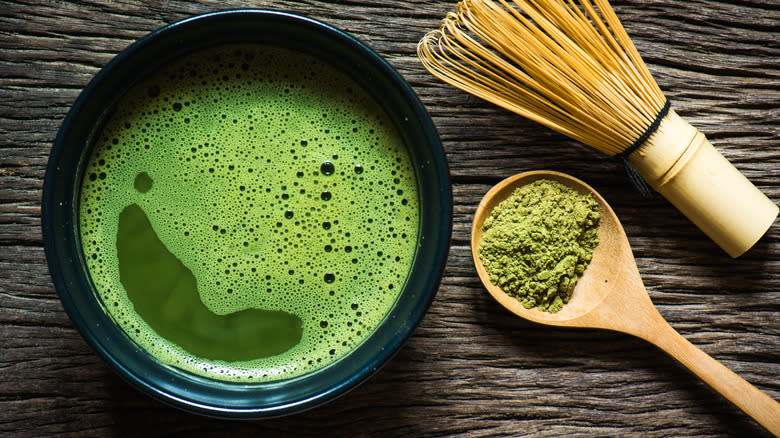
247,213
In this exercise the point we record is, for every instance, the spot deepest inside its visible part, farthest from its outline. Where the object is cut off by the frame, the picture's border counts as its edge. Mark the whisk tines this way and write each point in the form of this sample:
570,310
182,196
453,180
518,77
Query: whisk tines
568,66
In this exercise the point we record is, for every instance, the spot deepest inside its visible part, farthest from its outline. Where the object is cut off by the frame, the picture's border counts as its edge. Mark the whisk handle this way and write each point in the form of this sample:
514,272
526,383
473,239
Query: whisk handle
681,164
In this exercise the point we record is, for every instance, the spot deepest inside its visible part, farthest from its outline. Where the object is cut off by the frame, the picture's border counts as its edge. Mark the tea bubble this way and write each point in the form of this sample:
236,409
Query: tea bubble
327,168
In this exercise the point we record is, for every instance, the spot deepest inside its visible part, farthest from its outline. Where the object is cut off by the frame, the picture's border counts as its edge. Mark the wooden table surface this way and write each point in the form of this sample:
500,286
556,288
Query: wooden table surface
470,368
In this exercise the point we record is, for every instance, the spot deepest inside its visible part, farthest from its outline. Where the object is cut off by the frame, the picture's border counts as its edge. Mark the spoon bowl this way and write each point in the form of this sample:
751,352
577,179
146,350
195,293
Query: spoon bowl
610,295
596,283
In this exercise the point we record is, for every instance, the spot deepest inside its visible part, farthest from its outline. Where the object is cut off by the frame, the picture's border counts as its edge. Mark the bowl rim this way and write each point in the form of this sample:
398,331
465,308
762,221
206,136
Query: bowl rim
59,238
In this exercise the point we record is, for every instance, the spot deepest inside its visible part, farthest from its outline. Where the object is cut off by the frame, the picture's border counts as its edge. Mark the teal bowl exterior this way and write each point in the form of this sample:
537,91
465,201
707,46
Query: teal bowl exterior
60,213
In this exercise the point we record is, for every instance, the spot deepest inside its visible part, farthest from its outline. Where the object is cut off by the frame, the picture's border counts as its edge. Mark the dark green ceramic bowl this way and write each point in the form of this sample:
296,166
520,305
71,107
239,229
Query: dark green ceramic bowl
66,168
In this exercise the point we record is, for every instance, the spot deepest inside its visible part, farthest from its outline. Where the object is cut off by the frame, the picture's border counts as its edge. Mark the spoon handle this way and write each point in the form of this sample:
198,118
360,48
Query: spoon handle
745,396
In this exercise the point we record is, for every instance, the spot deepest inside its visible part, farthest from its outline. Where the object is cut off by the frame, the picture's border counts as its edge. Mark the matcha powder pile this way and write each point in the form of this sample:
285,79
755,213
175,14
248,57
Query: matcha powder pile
536,243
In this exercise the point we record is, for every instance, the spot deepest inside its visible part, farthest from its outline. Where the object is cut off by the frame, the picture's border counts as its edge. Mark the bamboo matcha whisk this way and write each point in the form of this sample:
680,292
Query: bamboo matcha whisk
574,69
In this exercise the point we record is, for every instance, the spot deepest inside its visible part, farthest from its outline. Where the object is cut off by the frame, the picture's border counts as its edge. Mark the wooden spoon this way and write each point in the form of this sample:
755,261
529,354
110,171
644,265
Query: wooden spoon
610,295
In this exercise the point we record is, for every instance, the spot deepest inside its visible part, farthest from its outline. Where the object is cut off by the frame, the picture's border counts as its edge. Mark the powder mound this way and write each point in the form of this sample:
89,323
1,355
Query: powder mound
537,243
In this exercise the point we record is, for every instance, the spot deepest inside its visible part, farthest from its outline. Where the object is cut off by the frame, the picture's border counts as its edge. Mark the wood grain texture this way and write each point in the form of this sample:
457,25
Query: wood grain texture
471,368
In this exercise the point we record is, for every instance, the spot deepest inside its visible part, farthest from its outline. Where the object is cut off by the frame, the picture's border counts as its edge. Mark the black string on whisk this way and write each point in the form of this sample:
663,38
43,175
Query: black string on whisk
636,179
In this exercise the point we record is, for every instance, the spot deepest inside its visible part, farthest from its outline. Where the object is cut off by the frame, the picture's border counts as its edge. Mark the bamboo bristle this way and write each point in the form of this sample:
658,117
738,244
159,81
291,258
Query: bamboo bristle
571,68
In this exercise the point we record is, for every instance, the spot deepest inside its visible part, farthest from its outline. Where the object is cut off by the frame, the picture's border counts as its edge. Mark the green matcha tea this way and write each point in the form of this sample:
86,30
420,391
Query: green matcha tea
248,214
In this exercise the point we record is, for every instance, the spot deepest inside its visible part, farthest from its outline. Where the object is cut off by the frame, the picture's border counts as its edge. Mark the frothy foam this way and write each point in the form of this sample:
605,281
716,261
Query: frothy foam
277,181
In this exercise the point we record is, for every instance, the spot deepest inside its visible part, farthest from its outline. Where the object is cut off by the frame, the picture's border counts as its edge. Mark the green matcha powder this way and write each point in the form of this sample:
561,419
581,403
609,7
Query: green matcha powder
537,243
